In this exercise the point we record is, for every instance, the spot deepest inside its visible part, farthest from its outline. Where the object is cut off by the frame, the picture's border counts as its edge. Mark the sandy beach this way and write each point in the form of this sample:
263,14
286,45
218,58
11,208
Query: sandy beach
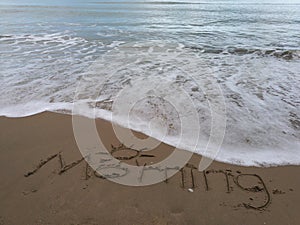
218,79
44,180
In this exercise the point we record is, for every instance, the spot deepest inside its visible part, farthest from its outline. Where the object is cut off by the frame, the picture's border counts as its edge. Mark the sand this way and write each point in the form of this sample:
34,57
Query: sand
75,194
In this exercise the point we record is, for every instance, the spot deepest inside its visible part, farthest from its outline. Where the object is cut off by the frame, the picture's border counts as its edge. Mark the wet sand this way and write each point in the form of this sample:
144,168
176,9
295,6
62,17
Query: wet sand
45,181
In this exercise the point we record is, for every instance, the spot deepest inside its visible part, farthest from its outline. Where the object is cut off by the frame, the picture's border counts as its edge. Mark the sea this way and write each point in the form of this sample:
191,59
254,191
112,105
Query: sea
222,72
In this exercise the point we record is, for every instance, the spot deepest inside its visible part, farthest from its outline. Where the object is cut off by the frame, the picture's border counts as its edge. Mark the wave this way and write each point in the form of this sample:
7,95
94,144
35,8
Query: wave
65,41
167,83
287,54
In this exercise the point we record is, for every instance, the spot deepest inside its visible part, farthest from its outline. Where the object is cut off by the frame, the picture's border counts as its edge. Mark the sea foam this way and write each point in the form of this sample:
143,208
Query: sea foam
250,101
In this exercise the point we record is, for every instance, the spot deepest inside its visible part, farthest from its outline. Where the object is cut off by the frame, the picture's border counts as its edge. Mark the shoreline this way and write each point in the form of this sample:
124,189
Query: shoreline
235,161
55,194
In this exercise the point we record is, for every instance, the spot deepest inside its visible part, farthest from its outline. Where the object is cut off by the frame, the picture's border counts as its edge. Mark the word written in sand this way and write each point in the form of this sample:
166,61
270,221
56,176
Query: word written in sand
188,175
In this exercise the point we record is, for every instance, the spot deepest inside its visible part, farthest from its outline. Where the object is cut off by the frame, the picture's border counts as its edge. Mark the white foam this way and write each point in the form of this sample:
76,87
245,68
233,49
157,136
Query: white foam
33,108
261,94
258,120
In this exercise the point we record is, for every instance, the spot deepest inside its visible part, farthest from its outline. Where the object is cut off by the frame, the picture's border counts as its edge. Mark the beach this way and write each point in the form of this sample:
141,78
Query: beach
149,112
38,187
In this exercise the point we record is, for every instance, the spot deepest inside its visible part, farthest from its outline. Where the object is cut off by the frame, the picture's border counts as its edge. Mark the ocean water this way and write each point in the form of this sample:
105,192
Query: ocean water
230,66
